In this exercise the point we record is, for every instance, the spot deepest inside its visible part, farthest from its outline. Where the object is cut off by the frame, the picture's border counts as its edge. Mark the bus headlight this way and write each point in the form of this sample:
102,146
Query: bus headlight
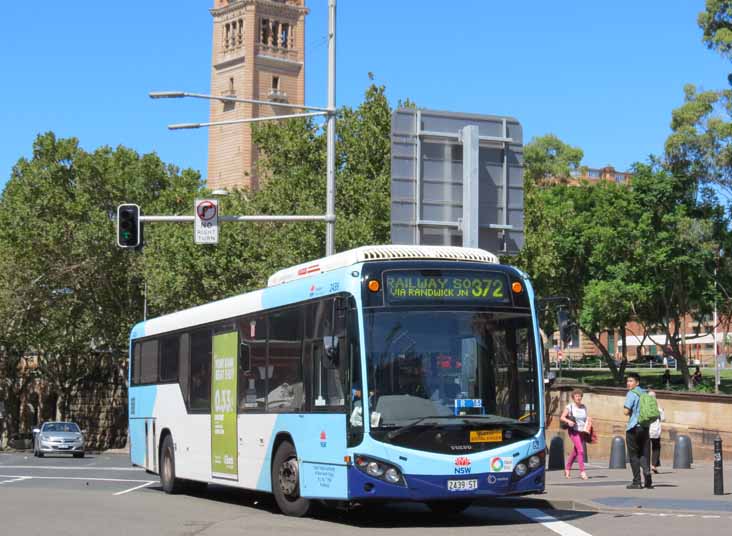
379,469
534,462
392,475
521,470
375,469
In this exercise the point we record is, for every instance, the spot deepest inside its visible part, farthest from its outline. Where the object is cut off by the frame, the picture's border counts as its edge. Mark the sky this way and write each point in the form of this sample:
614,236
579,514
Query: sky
603,76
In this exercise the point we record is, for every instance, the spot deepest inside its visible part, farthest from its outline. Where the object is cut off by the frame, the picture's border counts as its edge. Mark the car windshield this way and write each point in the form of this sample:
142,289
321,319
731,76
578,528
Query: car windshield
438,366
60,427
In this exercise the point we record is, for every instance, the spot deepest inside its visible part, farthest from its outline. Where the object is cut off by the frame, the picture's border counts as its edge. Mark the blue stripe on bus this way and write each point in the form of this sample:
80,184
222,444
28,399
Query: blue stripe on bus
434,487
141,408
320,442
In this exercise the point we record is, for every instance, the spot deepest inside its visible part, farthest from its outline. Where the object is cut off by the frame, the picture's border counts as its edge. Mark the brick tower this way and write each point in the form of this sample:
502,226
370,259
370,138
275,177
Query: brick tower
258,53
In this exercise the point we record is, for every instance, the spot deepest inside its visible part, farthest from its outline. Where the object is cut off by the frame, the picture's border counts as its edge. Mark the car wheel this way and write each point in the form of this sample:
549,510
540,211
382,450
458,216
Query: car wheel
168,481
78,454
286,482
449,508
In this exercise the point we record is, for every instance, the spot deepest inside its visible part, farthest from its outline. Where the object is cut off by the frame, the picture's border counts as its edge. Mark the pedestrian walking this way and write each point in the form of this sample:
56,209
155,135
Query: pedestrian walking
576,420
636,436
654,434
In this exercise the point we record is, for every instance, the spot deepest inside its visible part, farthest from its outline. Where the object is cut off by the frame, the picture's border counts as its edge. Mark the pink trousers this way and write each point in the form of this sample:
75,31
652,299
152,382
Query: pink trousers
578,452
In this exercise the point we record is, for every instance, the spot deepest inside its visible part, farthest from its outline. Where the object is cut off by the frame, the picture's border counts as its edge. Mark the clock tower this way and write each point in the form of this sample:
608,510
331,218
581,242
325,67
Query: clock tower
258,53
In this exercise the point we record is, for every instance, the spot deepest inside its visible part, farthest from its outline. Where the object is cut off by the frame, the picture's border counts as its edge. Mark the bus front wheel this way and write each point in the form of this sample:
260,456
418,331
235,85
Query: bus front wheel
168,481
286,482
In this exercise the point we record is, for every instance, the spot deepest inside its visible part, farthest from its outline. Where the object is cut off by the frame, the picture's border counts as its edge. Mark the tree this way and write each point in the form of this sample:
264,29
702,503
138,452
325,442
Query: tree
79,294
716,23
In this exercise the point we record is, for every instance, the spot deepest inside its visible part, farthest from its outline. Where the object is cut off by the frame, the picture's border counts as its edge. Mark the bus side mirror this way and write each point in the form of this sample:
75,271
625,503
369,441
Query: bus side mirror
331,358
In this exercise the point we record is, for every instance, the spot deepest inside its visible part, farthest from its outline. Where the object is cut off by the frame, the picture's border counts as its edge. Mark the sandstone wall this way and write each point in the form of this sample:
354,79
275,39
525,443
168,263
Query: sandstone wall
700,416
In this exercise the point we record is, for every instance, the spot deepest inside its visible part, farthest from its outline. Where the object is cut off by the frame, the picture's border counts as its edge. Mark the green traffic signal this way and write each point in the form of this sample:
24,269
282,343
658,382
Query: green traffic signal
128,226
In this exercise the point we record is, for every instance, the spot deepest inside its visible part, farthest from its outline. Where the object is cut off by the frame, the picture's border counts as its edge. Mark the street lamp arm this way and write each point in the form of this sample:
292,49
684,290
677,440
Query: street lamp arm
181,94
180,126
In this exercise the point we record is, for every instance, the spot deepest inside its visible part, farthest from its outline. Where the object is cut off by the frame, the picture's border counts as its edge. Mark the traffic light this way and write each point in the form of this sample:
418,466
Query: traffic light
128,226
565,327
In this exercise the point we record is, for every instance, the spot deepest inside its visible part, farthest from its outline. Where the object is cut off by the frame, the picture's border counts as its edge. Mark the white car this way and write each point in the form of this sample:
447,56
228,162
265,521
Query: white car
58,437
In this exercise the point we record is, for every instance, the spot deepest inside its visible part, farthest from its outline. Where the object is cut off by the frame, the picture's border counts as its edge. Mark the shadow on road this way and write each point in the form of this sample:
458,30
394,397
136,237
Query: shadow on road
381,515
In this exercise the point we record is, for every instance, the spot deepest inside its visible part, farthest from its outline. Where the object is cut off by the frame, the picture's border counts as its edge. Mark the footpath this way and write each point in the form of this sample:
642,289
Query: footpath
681,492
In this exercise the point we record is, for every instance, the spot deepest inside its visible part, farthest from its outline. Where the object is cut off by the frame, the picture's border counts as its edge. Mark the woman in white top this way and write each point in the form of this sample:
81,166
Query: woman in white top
577,420
654,432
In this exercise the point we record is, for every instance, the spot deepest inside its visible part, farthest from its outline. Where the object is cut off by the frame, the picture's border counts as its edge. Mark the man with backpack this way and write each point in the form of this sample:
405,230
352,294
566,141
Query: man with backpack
642,410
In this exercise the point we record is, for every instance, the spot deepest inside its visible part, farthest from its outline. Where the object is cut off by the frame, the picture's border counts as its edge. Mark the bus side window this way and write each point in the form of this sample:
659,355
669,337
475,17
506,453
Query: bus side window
169,359
149,368
253,380
136,363
285,390
201,370
184,367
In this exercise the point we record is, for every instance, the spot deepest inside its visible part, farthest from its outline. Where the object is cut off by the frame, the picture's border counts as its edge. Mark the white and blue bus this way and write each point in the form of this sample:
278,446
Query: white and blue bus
382,373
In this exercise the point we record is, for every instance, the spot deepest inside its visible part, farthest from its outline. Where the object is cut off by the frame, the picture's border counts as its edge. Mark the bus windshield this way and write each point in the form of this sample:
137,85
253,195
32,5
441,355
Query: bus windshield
437,366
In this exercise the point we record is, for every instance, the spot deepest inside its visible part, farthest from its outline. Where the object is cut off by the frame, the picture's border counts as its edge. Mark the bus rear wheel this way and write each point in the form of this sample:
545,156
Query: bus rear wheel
168,481
286,482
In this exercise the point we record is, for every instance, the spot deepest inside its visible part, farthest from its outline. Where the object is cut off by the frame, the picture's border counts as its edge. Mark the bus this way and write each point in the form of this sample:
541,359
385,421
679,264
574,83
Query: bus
383,373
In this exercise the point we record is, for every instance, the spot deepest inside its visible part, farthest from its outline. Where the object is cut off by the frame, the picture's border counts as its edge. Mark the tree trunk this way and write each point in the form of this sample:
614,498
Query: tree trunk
609,361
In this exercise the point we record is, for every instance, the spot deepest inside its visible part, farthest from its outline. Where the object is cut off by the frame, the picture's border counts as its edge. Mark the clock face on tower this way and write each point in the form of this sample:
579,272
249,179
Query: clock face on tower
258,55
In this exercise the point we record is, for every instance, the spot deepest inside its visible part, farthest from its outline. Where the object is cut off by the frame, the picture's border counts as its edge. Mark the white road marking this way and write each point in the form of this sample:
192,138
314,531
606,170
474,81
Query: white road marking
73,478
552,523
17,479
66,468
136,487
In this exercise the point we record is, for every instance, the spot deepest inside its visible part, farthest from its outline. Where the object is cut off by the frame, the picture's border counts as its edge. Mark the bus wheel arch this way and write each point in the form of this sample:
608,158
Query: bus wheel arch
285,473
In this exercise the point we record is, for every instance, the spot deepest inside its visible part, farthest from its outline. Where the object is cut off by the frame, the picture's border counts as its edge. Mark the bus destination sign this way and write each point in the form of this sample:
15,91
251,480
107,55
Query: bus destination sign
448,286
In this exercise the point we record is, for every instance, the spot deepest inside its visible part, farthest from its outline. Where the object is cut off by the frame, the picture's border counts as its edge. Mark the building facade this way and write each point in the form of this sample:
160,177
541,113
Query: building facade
258,53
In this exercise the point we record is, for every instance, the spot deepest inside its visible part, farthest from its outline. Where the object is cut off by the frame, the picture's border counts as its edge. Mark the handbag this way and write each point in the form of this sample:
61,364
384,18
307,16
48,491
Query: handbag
563,425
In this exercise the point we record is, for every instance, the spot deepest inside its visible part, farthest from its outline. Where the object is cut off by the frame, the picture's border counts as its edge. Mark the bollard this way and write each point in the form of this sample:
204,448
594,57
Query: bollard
556,453
682,452
718,468
617,453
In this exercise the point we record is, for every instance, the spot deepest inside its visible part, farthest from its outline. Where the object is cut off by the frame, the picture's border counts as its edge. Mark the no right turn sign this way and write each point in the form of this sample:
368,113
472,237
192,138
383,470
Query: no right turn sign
206,227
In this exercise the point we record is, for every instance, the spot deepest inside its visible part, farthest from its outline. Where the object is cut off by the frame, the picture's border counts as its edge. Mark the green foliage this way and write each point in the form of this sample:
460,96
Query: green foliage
548,157
645,252
70,295
716,23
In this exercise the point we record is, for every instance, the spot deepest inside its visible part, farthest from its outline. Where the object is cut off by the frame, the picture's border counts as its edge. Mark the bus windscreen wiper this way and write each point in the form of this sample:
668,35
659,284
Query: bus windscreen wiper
400,431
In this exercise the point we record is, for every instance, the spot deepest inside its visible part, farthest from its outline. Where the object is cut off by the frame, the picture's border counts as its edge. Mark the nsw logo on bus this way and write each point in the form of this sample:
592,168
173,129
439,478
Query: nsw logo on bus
462,465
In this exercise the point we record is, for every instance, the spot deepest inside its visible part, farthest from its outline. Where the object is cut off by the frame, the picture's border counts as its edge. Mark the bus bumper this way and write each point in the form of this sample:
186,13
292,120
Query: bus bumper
435,487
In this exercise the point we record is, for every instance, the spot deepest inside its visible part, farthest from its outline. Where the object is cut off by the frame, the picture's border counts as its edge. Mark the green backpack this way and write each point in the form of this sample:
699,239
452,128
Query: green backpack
648,410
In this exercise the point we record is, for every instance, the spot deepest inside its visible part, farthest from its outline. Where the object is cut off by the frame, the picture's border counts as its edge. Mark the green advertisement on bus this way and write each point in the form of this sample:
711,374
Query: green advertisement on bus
224,461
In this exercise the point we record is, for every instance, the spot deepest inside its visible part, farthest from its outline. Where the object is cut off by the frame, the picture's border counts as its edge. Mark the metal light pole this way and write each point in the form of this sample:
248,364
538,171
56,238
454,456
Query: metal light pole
716,352
331,131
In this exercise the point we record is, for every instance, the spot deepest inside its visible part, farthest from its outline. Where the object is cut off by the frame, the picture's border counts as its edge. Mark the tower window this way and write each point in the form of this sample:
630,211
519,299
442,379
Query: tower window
227,35
239,32
275,33
264,34
276,83
285,35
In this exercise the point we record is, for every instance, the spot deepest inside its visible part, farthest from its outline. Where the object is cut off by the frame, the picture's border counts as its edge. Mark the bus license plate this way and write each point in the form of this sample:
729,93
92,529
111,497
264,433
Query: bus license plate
462,485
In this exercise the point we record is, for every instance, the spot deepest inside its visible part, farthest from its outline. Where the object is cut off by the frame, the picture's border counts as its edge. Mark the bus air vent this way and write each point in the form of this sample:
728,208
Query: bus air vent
380,253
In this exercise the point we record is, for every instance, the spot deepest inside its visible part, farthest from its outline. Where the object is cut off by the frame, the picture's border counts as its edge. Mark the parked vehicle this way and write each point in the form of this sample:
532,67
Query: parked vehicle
657,361
54,437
